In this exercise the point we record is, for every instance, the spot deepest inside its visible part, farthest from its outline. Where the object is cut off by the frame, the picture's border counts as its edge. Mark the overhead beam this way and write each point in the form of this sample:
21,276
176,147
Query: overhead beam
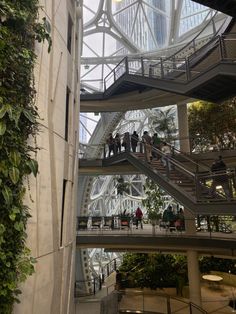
203,245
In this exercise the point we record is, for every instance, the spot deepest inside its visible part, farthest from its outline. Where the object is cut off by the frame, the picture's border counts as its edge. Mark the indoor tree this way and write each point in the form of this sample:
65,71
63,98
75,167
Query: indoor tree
163,123
212,125
153,201
121,187
155,270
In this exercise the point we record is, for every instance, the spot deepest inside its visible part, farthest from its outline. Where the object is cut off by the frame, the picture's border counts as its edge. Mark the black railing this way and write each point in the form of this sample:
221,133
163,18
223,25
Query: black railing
187,49
226,143
207,186
215,225
176,68
92,286
110,267
87,287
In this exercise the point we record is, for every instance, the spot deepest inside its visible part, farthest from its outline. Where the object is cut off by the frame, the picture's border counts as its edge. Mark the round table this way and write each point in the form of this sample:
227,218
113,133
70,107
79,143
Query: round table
213,280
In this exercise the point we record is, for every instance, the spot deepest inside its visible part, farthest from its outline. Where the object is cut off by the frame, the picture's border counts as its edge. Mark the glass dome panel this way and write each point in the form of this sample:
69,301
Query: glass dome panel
192,15
90,8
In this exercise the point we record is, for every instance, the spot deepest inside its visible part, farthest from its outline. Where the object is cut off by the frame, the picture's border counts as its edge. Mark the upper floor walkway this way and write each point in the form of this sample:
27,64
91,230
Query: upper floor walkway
209,73
212,239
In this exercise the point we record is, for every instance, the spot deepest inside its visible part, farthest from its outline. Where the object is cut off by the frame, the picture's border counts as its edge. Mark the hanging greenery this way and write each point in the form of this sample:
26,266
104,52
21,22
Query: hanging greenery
18,124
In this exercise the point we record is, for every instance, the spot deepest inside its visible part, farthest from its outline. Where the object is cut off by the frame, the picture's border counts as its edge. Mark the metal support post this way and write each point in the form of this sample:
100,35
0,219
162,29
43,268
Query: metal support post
162,69
126,65
142,66
187,69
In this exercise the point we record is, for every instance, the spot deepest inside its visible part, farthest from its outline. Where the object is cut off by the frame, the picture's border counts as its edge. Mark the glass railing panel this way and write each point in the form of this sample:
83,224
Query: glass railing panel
155,303
87,287
217,186
179,306
141,301
132,300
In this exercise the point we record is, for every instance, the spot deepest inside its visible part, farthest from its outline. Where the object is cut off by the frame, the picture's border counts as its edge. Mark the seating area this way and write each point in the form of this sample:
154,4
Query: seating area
104,222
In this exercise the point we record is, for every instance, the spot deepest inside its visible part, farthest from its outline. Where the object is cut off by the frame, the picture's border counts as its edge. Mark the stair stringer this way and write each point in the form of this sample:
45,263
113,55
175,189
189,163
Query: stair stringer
208,207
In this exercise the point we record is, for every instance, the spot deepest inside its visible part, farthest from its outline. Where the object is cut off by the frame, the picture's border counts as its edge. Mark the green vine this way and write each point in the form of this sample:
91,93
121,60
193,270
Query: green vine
18,123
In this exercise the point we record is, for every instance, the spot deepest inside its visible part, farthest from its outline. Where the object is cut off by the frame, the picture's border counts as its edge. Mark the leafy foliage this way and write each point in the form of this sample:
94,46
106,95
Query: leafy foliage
212,263
212,125
154,200
155,270
167,270
163,123
18,122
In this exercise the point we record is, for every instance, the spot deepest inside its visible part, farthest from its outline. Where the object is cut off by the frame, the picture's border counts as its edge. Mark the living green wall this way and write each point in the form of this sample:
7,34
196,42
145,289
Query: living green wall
19,29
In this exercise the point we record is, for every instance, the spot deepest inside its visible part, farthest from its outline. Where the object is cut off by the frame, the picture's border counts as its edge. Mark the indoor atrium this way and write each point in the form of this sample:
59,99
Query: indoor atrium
118,156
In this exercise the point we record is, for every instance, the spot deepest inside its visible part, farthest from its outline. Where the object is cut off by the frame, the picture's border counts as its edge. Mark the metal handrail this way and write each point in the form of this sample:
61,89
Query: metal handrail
202,30
190,159
222,219
114,70
167,297
173,161
95,286
192,42
125,59
115,262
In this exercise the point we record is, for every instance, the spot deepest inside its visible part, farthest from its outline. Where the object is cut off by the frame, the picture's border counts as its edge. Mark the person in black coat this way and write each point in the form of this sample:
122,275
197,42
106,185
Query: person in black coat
220,178
134,141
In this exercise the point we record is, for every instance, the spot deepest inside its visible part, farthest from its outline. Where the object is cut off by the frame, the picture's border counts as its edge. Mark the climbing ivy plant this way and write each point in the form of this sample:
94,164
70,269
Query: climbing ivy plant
19,28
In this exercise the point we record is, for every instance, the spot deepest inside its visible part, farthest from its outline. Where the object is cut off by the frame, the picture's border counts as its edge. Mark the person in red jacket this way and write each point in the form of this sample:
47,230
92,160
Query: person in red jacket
139,217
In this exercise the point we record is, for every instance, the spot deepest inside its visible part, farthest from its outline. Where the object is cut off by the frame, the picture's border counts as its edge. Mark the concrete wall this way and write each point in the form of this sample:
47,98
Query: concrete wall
51,229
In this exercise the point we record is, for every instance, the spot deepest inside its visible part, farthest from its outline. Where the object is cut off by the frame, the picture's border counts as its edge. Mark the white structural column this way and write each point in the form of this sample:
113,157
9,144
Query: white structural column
192,260
192,256
194,278
183,128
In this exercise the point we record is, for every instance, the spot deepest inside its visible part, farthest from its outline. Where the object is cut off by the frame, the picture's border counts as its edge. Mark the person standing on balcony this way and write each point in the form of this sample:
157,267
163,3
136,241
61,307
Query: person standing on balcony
134,141
147,140
166,149
180,223
118,280
126,141
220,178
117,143
139,217
169,217
111,144
156,143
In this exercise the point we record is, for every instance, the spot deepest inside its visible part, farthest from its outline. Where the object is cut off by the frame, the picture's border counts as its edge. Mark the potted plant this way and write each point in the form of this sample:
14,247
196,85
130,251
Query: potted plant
154,217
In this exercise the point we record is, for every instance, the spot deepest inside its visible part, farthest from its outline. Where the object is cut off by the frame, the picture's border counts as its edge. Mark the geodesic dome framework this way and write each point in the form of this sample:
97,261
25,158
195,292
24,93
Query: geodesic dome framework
113,30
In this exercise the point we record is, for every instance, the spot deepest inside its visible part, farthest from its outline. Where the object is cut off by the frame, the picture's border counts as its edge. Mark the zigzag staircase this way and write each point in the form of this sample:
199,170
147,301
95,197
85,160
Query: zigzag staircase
189,187
198,76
